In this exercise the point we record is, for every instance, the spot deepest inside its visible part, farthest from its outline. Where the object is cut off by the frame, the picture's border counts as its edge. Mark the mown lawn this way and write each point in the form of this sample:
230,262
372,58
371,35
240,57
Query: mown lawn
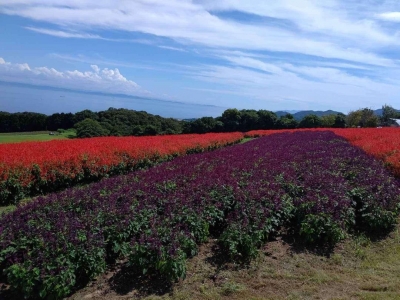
18,137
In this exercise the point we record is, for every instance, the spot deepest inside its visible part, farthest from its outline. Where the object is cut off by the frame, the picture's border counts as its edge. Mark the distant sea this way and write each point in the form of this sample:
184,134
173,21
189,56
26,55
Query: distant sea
21,97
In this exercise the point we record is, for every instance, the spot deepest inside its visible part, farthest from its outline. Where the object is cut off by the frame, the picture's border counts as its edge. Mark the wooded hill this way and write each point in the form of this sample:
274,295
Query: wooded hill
125,122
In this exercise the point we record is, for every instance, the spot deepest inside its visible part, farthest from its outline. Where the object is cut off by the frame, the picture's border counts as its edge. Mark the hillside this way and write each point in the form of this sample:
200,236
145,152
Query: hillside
301,114
378,112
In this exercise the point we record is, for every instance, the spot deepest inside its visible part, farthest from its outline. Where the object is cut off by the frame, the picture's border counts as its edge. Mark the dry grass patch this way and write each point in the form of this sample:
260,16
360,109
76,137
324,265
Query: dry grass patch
357,269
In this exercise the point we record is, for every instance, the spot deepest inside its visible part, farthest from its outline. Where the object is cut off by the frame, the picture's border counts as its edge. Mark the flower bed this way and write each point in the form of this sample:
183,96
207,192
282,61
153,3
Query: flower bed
314,183
33,168
383,143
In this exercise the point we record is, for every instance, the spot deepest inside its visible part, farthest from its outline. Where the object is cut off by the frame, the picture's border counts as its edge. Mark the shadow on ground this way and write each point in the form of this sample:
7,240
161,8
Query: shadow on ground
127,280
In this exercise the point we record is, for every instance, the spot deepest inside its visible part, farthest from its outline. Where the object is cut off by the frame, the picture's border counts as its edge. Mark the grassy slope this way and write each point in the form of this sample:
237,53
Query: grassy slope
18,137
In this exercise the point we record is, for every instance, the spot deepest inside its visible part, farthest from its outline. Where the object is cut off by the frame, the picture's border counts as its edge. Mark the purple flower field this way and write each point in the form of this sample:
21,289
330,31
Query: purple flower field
313,183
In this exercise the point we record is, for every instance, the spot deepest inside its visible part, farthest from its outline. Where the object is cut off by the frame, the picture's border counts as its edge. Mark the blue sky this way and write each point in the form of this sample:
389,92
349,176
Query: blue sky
276,55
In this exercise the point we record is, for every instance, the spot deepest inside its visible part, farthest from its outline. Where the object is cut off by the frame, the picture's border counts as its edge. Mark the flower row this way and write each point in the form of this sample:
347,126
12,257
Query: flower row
28,169
383,143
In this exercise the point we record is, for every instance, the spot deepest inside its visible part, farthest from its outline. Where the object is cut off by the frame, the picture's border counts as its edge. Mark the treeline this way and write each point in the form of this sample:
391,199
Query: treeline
116,122
247,119
19,122
124,122
367,118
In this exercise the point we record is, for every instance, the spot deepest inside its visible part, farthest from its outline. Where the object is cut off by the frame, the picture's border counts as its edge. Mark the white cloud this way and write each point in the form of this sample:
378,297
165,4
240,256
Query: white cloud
321,28
342,53
331,18
98,60
98,80
95,68
285,86
83,35
64,34
390,16
254,63
172,48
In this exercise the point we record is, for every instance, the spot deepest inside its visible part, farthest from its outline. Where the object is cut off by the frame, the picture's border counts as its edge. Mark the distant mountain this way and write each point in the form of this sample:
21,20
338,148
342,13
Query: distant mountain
281,113
292,111
379,112
301,114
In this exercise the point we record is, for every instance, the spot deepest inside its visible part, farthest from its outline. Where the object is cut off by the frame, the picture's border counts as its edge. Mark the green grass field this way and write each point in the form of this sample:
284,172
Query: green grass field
18,137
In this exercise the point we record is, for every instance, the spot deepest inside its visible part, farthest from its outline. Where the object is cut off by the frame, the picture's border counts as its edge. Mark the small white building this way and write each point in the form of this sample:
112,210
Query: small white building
396,122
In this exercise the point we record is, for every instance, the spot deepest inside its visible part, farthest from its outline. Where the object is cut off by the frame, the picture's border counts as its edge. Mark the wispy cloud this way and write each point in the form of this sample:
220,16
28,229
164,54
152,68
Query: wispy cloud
172,48
324,87
254,64
333,53
65,34
324,28
84,35
99,60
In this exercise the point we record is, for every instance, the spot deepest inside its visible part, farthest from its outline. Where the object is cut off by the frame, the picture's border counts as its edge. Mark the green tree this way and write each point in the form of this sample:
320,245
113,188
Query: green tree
310,121
368,118
363,117
137,130
267,119
328,121
171,126
287,122
202,125
249,120
90,128
372,121
231,119
5,122
388,113
150,130
353,118
25,121
124,122
60,120
340,121
85,114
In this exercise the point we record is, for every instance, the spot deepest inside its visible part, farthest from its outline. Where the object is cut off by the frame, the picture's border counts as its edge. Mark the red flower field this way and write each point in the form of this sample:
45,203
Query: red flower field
383,143
32,168
35,167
